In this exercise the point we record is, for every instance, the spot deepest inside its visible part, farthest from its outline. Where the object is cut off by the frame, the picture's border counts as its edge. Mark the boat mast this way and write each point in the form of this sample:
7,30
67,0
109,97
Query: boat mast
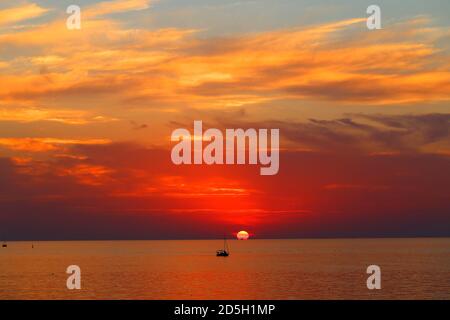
225,244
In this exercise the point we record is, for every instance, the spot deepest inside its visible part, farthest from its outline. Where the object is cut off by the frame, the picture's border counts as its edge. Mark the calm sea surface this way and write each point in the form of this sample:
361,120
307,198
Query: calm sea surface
256,269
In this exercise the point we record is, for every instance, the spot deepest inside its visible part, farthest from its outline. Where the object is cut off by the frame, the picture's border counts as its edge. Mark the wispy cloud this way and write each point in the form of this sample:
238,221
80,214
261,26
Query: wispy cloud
71,116
46,144
376,134
337,62
24,12
109,7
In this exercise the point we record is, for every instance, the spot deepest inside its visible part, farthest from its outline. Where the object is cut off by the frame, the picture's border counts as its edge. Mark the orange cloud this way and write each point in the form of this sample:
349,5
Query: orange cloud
45,144
88,174
75,117
109,7
108,73
393,66
24,12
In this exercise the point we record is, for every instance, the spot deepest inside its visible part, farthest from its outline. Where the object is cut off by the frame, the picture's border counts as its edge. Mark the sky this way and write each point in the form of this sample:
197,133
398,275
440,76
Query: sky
86,118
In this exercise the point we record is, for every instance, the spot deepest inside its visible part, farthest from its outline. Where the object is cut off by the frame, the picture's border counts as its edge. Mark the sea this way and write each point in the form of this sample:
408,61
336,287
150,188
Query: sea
303,269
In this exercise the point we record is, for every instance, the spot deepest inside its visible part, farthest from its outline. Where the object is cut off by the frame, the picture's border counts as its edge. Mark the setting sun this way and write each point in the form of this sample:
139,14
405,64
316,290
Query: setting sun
242,235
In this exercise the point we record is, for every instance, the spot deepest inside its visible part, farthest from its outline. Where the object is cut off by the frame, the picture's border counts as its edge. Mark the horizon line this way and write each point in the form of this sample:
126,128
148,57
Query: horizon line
233,238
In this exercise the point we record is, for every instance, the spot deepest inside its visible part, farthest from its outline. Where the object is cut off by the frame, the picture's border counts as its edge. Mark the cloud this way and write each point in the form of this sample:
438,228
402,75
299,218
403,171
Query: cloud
45,144
24,12
400,65
117,6
137,126
71,117
361,133
88,174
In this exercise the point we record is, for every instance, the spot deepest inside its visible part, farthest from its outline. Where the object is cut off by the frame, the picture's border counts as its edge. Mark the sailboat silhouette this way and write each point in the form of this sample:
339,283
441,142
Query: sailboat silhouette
225,252
4,244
